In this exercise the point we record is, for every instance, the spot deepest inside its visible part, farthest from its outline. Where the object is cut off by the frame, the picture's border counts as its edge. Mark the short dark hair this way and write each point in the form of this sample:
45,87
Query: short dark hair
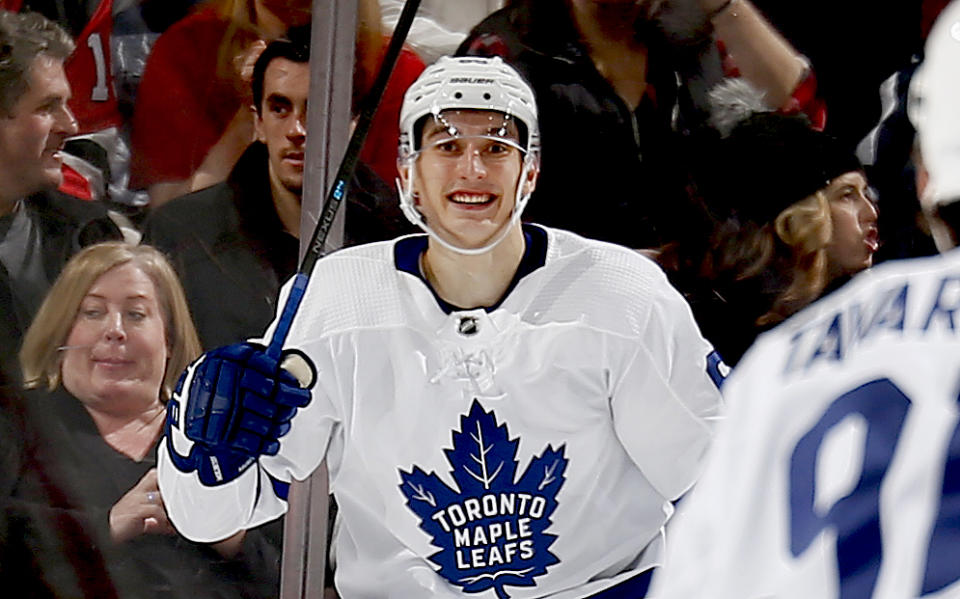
295,47
24,37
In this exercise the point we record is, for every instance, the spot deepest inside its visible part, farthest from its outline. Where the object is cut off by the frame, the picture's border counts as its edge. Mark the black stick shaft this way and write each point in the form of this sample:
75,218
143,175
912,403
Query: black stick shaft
341,182
348,165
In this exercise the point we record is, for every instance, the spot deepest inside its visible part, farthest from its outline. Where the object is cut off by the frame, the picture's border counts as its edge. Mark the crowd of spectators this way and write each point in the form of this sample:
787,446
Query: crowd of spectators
184,123
242,234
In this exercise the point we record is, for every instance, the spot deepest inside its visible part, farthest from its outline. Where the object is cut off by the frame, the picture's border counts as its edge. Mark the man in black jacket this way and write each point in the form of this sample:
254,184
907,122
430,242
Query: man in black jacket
40,228
235,243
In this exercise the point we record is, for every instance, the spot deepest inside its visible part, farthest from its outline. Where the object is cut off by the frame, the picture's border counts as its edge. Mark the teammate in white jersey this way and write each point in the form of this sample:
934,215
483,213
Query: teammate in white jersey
837,471
506,410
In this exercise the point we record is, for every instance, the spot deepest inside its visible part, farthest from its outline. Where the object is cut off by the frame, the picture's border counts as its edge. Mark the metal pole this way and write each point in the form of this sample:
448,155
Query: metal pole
328,125
328,120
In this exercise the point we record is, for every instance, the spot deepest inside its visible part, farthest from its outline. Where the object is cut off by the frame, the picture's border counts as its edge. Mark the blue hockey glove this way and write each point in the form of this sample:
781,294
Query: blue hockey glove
236,406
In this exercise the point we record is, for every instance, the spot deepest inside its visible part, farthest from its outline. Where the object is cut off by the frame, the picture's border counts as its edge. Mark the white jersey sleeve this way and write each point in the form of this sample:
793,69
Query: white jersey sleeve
209,514
665,402
836,473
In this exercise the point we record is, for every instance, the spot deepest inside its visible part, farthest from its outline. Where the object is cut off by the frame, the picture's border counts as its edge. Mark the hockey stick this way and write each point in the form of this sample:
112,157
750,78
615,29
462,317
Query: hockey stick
305,530
341,183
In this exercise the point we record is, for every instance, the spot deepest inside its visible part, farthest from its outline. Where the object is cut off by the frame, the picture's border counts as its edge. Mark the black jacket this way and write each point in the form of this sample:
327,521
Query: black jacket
64,226
232,253
58,485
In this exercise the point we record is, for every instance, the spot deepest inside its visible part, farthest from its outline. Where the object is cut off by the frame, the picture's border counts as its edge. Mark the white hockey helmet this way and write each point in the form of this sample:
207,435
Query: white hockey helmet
467,83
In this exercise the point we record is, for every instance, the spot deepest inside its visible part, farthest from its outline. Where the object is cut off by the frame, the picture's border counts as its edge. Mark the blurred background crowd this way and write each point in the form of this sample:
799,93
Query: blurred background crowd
760,151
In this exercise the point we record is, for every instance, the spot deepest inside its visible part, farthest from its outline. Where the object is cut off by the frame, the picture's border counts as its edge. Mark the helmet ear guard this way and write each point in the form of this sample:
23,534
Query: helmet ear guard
467,83
406,193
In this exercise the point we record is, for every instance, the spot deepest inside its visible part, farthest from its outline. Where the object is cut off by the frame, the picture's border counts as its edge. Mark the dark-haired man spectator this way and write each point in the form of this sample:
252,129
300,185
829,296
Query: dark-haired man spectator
40,228
233,244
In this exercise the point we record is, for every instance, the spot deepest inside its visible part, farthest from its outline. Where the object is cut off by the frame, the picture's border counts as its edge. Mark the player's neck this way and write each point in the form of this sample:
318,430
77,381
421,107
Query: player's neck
473,281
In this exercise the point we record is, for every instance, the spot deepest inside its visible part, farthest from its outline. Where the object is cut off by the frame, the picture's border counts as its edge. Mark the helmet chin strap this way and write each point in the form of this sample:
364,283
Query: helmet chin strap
411,212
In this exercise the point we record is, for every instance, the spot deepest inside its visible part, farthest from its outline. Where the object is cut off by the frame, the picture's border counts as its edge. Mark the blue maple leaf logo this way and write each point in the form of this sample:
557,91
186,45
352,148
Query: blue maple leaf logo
492,532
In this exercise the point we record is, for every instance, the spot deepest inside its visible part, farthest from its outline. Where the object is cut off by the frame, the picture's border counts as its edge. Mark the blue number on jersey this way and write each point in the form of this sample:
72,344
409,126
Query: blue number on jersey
856,517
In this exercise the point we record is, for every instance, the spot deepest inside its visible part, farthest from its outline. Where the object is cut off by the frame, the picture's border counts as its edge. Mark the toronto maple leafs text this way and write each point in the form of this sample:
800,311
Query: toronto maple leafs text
492,543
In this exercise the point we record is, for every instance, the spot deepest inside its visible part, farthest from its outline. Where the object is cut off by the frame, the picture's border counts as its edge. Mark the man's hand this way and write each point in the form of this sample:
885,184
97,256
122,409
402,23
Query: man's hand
236,403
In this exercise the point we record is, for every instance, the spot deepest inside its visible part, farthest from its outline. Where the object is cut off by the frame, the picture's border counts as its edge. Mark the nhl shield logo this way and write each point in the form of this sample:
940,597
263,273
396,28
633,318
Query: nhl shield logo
492,531
468,326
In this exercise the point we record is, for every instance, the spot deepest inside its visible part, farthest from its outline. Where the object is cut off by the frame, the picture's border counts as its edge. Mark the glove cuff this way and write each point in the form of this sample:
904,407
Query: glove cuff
213,466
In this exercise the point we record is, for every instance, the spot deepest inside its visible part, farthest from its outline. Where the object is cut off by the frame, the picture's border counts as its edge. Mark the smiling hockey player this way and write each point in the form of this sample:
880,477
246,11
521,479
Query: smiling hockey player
506,410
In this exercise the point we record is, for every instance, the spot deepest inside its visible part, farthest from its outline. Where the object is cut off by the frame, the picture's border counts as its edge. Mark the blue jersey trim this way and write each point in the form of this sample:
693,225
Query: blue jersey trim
407,251
716,369
280,488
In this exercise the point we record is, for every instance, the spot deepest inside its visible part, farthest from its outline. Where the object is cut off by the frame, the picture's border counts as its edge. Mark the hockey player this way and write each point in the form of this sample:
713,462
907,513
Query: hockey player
506,410
837,471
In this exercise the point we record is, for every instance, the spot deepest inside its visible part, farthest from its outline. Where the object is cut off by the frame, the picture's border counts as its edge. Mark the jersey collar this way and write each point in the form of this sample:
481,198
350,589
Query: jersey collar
407,252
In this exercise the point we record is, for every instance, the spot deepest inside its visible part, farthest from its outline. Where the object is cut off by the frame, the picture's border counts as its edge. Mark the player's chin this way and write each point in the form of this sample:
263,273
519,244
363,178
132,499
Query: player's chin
480,235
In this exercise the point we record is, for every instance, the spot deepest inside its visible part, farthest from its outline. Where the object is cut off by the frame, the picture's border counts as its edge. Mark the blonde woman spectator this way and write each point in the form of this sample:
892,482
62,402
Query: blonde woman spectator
787,218
103,357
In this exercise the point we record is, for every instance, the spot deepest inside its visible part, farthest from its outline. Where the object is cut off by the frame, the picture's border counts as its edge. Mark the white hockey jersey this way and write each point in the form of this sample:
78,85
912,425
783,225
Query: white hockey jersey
529,450
836,473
